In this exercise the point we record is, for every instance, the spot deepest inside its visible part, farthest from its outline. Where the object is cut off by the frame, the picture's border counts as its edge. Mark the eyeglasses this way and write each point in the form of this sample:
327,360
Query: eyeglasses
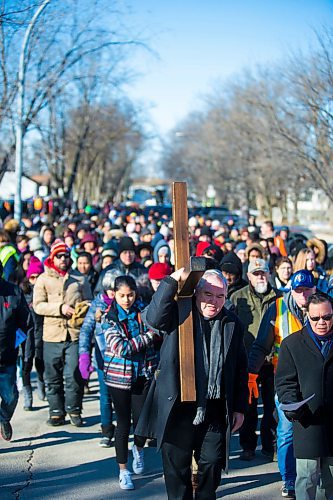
327,317
33,276
62,256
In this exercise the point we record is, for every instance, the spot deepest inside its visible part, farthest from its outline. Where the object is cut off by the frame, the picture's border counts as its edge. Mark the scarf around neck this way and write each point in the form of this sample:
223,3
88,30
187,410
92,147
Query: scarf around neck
50,264
208,361
323,342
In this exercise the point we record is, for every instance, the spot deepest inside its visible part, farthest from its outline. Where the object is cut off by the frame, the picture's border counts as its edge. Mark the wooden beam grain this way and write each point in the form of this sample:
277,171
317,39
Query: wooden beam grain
182,257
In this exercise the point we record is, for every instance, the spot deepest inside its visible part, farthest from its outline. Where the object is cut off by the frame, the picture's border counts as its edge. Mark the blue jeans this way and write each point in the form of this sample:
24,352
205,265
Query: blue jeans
285,448
105,400
8,392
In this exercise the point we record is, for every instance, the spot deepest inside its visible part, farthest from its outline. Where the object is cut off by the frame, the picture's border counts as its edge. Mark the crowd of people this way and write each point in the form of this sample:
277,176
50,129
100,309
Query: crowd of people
82,292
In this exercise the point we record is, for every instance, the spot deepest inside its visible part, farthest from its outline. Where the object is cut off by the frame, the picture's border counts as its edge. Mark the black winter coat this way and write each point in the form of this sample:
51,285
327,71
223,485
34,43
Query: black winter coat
301,372
162,315
34,350
14,314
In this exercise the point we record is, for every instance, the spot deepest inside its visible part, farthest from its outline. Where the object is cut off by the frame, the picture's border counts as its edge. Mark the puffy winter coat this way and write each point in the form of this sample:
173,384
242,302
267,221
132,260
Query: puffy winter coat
51,291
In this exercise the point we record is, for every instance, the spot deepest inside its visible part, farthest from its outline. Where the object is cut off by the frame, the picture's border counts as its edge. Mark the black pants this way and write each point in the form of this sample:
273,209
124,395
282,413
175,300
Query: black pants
247,434
64,384
181,439
128,404
27,367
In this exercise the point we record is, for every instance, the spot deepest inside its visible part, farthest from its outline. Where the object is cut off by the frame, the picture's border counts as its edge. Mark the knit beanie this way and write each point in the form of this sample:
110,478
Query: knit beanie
35,244
144,246
111,245
126,243
159,270
89,238
205,231
231,263
109,253
58,246
35,267
214,251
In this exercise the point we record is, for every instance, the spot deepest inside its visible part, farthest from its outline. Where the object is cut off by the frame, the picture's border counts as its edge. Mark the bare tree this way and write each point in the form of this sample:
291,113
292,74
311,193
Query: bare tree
264,138
67,37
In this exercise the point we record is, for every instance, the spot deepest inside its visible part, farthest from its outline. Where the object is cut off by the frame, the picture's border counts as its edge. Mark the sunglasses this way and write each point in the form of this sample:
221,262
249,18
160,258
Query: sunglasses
62,256
33,277
327,317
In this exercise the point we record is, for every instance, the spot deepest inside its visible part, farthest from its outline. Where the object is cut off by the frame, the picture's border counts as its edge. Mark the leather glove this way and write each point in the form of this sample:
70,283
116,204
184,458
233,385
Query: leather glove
85,365
253,386
297,415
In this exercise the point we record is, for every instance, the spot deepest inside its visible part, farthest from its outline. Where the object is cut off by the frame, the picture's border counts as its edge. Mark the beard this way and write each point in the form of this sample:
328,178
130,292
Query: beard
261,288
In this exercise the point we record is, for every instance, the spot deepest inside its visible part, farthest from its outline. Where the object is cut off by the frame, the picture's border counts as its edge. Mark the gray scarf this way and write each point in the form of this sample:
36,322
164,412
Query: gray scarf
208,364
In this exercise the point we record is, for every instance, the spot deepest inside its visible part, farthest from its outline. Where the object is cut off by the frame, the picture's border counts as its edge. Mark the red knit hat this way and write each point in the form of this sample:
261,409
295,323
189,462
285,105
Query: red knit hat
35,267
201,247
58,246
159,270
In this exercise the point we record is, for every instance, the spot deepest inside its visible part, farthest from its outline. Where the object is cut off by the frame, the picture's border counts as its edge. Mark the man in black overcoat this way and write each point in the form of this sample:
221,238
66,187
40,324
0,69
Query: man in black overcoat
305,369
203,426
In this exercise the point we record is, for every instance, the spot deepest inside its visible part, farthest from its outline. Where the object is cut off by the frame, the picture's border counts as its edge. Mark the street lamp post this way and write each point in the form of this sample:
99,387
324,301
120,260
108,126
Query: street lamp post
20,108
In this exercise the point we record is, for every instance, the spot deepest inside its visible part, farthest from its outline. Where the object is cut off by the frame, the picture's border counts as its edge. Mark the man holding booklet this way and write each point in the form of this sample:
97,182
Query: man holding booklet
305,376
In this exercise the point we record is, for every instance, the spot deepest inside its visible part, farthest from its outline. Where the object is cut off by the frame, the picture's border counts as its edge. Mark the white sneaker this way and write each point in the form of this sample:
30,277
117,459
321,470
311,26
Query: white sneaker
138,464
125,480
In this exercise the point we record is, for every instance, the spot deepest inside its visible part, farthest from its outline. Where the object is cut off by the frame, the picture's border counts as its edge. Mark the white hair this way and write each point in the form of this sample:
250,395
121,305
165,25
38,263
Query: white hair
211,272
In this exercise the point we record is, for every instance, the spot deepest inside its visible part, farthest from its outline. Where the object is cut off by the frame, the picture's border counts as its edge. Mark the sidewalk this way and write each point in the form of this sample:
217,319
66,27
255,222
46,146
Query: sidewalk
42,462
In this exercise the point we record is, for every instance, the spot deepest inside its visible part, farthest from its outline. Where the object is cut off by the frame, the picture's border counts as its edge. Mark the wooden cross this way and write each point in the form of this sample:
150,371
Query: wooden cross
194,269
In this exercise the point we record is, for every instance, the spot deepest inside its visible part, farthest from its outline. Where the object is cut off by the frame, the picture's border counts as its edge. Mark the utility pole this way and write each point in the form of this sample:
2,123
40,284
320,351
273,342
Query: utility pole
20,110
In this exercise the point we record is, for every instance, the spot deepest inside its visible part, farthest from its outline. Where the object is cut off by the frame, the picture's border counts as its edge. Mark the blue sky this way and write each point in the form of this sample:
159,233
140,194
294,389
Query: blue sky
199,43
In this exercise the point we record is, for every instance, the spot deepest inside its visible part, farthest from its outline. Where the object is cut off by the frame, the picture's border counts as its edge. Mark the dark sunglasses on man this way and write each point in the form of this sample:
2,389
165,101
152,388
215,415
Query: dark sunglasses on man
326,317
62,256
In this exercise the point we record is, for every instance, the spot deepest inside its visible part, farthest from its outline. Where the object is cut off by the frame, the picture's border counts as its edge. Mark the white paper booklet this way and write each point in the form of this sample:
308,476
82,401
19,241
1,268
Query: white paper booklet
295,406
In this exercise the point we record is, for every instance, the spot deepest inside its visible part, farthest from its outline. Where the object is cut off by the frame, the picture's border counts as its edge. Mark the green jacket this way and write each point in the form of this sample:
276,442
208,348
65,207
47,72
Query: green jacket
250,309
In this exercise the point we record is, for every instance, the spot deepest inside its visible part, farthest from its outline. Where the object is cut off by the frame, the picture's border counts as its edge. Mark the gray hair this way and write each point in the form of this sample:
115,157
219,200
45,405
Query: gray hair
109,279
211,272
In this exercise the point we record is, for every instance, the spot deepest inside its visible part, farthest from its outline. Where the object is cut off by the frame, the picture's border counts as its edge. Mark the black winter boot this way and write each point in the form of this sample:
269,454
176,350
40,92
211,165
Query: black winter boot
27,397
41,390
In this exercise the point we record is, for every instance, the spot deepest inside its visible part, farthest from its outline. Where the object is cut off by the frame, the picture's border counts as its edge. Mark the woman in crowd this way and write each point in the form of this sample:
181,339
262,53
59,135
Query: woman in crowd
282,272
85,268
306,259
129,364
22,267
92,330
29,351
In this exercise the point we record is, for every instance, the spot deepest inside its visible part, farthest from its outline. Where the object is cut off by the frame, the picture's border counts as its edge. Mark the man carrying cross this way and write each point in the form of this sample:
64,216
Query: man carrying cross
199,393
202,426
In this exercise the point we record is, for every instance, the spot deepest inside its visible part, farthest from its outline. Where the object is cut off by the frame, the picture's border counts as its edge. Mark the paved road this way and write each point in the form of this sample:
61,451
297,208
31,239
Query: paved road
66,463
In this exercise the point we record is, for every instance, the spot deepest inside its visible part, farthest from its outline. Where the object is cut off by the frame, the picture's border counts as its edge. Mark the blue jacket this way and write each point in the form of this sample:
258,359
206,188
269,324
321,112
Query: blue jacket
130,350
91,328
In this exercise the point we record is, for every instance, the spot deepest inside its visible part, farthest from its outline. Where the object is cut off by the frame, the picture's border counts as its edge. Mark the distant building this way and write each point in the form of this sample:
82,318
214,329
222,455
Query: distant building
32,186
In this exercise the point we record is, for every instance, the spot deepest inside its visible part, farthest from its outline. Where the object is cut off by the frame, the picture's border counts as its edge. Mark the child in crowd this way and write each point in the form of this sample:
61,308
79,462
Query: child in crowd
129,364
